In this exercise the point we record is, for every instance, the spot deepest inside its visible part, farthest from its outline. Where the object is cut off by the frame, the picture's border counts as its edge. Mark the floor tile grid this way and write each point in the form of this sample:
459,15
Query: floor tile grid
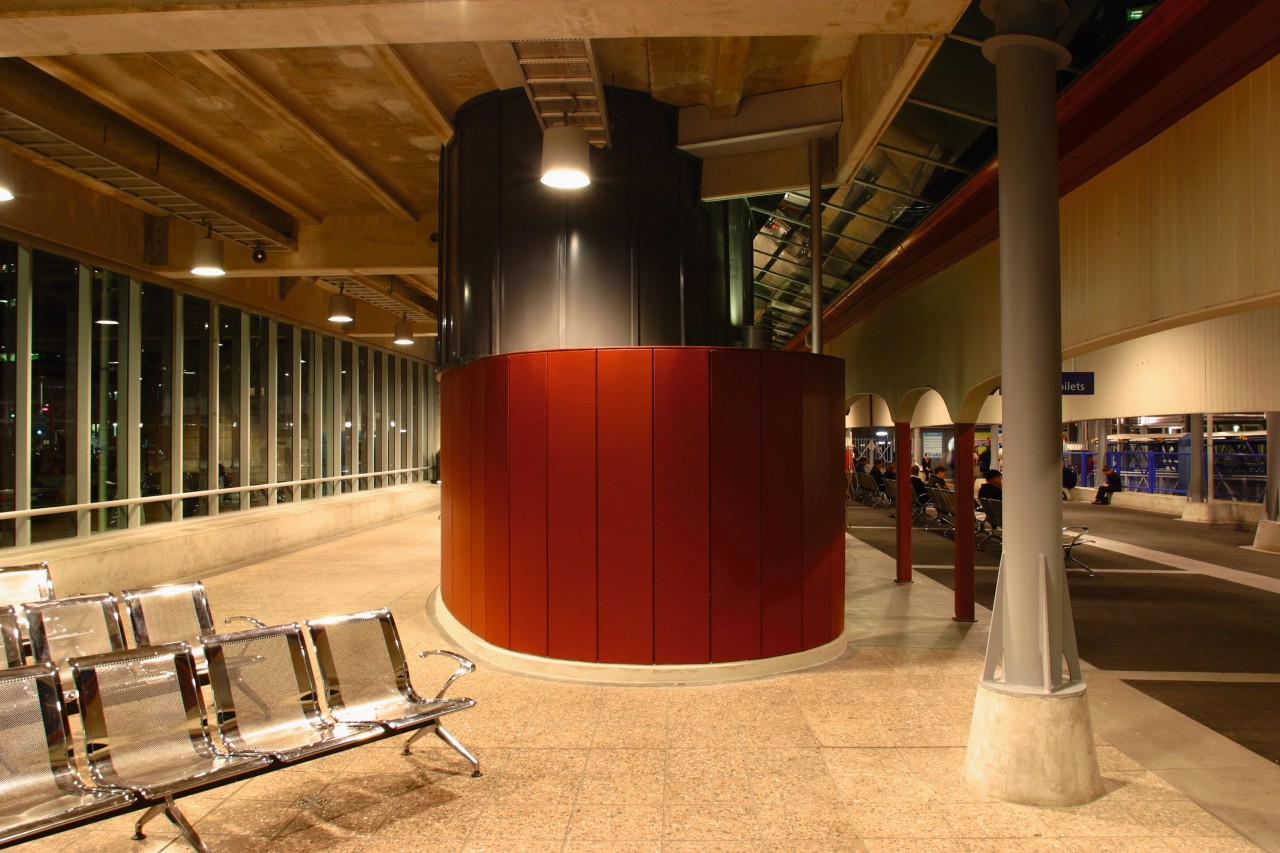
789,788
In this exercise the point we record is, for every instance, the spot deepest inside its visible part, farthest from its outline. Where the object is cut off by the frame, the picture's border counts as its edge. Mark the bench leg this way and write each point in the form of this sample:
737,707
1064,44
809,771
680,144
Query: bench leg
142,821
447,737
178,819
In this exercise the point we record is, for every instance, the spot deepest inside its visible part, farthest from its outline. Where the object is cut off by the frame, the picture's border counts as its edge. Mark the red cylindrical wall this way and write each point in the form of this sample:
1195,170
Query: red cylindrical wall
645,505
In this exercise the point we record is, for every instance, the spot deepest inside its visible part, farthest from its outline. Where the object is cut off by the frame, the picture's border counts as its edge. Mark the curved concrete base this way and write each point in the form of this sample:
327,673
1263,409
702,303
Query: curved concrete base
621,673
1033,749
1267,538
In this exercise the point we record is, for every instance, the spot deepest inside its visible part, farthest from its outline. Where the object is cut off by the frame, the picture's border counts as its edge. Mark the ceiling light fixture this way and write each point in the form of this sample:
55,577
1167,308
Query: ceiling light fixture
6,175
566,157
404,332
206,254
341,308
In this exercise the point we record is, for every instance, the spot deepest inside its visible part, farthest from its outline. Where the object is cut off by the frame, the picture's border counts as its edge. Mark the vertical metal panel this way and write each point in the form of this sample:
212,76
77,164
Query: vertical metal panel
815,503
460,483
736,481
681,523
781,533
527,401
530,224
296,357
477,391
625,522
835,530
497,491
246,422
448,428
211,479
571,504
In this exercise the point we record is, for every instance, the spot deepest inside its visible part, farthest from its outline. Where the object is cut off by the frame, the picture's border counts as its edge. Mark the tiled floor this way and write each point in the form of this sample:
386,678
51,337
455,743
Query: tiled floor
859,755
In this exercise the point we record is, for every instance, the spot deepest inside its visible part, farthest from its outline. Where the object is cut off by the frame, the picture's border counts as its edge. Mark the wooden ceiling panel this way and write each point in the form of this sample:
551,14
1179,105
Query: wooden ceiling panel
682,70
788,62
451,74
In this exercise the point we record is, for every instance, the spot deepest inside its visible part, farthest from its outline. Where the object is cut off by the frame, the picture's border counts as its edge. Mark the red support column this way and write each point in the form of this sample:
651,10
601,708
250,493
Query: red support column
902,452
965,539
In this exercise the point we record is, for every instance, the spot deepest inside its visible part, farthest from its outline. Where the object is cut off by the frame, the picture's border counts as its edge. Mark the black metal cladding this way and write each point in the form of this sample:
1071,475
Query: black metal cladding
636,258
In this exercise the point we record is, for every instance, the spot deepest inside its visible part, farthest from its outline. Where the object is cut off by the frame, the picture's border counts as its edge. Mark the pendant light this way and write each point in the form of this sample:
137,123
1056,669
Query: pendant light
206,254
6,175
341,308
566,157
404,332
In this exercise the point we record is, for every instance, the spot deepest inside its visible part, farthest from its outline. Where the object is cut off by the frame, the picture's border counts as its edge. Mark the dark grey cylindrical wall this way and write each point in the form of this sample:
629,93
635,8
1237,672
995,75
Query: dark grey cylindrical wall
634,259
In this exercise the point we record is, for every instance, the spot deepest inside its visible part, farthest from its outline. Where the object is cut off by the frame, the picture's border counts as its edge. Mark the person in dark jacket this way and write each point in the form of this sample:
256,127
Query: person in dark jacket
1109,488
993,488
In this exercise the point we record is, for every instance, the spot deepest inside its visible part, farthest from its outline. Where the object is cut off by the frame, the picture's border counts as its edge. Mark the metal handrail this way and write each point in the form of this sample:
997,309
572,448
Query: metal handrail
177,496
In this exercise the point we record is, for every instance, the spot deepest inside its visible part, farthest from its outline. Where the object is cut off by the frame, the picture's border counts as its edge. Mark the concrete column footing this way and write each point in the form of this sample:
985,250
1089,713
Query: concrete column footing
1268,536
1032,749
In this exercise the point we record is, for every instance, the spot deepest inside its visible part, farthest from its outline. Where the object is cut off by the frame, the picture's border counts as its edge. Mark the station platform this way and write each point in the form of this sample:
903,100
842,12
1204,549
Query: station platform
860,754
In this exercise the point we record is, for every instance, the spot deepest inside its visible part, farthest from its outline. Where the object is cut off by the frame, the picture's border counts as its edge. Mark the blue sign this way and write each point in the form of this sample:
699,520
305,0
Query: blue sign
1077,383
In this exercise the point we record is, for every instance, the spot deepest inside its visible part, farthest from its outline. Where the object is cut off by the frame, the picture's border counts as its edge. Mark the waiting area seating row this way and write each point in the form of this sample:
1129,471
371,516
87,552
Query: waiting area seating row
147,734
941,513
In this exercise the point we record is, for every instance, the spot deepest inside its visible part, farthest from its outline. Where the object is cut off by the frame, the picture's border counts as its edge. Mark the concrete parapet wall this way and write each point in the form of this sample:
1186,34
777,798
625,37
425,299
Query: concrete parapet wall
183,550
1217,512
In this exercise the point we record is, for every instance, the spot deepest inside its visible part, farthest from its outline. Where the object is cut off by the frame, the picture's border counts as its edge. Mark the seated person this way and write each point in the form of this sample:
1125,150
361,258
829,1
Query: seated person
993,488
1068,481
877,474
939,478
918,486
1110,487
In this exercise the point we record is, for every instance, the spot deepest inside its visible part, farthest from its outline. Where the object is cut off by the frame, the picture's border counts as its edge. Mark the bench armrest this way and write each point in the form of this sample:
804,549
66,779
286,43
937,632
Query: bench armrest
465,667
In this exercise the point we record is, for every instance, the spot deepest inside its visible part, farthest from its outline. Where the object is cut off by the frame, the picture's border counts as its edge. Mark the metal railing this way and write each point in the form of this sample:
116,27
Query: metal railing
187,504
1236,476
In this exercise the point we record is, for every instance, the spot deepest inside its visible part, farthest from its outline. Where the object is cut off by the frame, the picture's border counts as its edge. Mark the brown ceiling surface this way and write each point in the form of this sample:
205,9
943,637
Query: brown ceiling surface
297,110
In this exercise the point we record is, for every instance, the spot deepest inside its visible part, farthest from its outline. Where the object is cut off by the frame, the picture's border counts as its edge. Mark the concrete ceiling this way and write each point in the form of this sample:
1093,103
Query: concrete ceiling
319,123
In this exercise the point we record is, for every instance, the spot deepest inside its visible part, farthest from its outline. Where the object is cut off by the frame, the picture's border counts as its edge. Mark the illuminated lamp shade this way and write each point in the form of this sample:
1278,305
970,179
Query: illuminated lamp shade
6,175
206,255
341,309
566,157
404,334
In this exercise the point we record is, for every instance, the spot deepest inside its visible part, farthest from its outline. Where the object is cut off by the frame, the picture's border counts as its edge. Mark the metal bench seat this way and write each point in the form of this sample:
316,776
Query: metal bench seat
39,787
144,730
366,678
11,636
78,626
266,698
170,613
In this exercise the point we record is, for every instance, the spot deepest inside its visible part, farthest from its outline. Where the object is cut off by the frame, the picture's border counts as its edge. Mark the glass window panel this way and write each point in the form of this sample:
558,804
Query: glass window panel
348,428
285,423
196,373
378,427
305,433
366,408
156,381
8,383
328,401
54,312
405,419
106,340
229,414
261,430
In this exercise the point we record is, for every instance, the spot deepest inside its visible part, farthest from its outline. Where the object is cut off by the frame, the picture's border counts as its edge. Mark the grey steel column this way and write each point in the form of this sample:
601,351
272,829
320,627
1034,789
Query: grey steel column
1026,59
815,242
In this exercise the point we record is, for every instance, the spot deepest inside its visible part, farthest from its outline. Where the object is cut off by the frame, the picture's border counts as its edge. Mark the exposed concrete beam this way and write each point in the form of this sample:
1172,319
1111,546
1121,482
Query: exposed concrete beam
410,298
59,27
881,74
763,122
760,173
729,76
262,98
90,88
408,84
500,58
38,116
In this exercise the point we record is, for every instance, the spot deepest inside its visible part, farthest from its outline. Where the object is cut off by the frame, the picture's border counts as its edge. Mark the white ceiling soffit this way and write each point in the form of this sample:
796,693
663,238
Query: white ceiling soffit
763,123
